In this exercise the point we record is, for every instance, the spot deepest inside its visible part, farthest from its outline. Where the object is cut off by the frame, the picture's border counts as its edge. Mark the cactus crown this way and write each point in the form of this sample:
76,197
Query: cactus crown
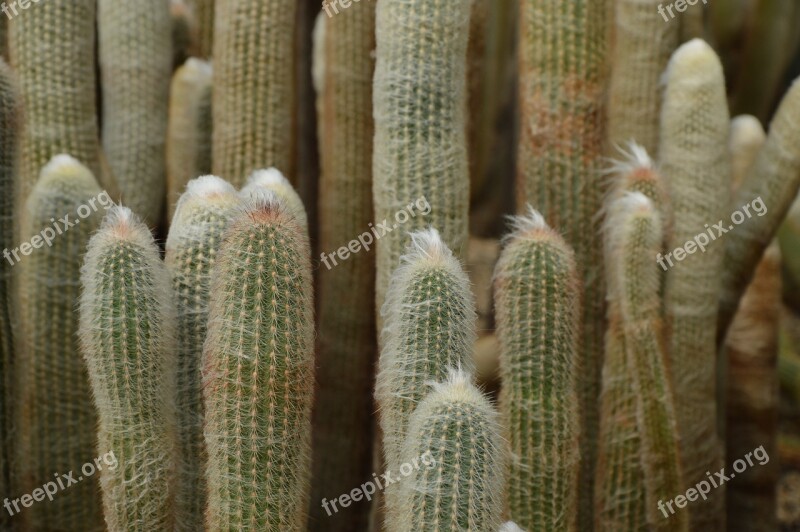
272,180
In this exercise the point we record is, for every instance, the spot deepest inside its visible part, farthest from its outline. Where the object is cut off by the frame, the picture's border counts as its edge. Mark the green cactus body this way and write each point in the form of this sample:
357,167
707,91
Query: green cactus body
420,146
189,128
634,238
196,233
258,374
55,414
136,63
642,50
537,296
456,431
775,178
562,93
10,123
127,330
272,181
695,163
346,338
254,87
429,327
52,50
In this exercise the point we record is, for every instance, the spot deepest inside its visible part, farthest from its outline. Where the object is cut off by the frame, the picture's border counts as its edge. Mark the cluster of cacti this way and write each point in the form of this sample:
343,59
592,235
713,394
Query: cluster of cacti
329,334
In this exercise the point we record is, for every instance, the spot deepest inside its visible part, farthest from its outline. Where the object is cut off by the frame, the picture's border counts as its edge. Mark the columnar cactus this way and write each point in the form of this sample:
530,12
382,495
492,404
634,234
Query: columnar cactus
562,94
746,139
455,434
634,237
55,414
253,87
127,330
643,46
136,63
696,166
429,327
52,50
537,296
346,337
258,373
775,178
195,235
272,181
10,130
189,129
420,144
182,32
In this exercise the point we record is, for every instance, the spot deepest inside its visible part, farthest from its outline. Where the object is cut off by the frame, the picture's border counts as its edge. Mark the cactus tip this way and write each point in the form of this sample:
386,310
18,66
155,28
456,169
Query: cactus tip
267,177
510,526
207,186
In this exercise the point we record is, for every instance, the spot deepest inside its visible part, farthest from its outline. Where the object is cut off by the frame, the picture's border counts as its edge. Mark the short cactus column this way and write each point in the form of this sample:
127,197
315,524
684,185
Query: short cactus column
537,296
258,374
457,459
195,235
127,330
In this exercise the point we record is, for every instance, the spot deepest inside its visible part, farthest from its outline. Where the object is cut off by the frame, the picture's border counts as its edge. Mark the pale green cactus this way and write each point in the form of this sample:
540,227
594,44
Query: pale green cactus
537,296
127,331
201,218
258,373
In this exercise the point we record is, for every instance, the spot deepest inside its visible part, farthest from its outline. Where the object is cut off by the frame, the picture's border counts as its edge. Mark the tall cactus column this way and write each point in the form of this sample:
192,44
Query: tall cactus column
563,76
538,312
420,124
136,63
254,90
56,415
346,342
127,328
258,374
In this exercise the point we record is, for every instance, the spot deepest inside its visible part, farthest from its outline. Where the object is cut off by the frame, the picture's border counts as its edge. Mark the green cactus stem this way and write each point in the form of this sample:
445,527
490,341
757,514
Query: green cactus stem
258,373
455,434
201,218
127,330
537,296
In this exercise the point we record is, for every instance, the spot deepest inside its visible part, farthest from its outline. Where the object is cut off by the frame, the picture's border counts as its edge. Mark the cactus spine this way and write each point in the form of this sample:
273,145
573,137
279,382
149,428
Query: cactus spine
272,181
195,235
136,63
346,342
10,122
537,296
420,144
258,374
429,327
695,163
189,128
127,330
52,50
457,430
56,414
563,78
253,87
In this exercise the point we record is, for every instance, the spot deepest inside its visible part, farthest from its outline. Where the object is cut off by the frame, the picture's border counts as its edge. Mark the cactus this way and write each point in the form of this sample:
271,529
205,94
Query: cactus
537,296
182,32
429,327
273,181
258,373
634,236
562,92
136,64
346,339
10,122
746,138
775,178
420,146
127,331
189,129
695,163
253,87
751,347
194,238
52,50
56,415
642,50
457,430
